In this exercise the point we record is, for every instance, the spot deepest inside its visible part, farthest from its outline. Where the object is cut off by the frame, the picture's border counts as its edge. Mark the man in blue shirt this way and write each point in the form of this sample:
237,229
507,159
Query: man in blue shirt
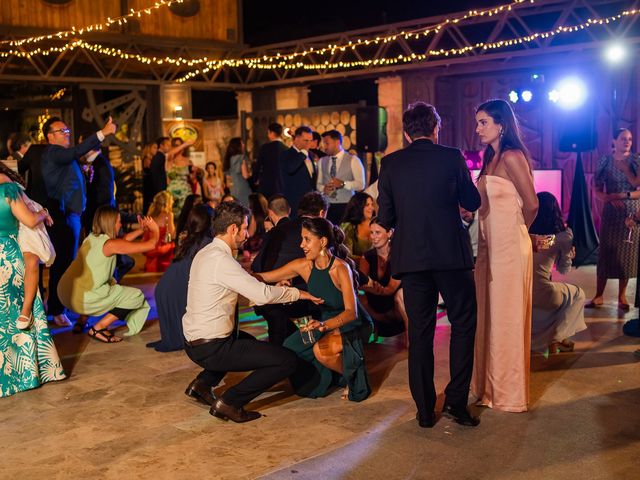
66,192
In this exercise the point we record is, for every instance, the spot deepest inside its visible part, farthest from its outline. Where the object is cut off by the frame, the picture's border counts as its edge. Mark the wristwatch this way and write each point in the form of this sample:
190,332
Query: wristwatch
628,194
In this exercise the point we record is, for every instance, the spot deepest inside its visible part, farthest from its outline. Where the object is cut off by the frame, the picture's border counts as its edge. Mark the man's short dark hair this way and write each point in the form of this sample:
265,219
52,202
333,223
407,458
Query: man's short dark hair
303,129
275,128
18,140
46,128
229,213
334,134
312,203
161,140
278,204
420,120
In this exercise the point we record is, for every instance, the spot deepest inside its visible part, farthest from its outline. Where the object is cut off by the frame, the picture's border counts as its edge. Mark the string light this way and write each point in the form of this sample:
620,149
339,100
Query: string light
414,57
75,32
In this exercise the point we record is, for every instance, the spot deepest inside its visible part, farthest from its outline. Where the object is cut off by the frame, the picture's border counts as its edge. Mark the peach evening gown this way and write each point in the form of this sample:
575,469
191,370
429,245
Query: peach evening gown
504,272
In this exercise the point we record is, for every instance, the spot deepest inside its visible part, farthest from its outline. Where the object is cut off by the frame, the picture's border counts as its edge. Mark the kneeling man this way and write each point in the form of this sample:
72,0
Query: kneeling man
210,331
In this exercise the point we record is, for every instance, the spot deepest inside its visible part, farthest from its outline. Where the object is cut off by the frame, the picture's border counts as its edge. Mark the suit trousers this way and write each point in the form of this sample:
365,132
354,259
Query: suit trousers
421,301
278,317
269,364
65,235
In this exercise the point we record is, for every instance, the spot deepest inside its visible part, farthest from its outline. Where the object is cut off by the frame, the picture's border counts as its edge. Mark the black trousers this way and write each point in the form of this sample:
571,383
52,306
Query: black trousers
278,317
65,235
336,212
421,300
270,364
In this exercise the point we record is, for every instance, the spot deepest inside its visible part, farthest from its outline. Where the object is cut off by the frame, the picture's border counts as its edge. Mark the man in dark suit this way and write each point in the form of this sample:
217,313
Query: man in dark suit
282,245
421,188
266,172
158,170
297,170
30,167
66,192
100,186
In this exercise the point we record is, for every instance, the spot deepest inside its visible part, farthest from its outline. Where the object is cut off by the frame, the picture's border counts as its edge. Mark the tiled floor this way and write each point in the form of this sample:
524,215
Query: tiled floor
123,414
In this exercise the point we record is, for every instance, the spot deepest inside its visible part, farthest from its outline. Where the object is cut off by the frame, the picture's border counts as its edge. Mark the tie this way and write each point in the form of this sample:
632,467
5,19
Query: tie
332,174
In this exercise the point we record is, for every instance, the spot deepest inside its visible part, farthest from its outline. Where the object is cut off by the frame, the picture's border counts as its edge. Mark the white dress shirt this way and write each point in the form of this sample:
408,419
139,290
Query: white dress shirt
215,280
357,170
307,161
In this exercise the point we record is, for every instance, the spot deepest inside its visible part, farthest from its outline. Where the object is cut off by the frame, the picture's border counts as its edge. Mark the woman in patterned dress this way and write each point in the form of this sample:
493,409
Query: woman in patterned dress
178,173
28,358
616,180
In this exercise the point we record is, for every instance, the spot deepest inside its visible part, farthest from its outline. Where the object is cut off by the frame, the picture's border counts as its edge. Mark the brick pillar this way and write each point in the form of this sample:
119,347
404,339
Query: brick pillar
390,97
292,97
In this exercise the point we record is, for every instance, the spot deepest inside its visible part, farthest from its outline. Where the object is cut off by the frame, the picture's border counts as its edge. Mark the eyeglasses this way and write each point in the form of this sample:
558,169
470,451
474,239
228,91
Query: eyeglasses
64,131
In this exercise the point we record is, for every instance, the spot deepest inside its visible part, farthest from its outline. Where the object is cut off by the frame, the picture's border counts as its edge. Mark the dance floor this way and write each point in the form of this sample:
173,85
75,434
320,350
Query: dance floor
122,414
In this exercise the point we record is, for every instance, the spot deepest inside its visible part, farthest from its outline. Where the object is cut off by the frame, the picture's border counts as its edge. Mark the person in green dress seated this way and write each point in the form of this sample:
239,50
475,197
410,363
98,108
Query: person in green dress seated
357,217
337,358
88,286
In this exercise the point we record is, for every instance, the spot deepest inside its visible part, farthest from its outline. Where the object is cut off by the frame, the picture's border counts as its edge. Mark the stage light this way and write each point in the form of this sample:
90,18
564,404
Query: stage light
615,53
570,93
513,96
526,95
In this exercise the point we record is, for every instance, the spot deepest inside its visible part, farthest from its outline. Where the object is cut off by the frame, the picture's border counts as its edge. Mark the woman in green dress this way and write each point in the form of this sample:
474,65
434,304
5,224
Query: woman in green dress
178,167
337,358
28,358
357,217
88,286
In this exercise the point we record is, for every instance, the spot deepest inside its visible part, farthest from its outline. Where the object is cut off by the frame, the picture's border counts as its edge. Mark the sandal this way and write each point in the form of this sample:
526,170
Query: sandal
593,305
107,335
24,324
80,324
625,307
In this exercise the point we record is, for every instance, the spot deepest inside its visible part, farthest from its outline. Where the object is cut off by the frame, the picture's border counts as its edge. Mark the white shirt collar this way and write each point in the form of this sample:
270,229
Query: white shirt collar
218,242
306,154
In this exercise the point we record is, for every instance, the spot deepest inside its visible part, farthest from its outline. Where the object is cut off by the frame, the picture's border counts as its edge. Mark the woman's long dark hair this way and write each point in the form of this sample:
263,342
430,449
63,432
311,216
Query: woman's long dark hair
199,232
189,202
13,176
321,227
502,114
234,148
354,211
549,219
257,203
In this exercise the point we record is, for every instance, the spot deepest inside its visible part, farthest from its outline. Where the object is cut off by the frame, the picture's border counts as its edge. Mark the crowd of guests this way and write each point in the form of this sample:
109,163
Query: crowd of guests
316,243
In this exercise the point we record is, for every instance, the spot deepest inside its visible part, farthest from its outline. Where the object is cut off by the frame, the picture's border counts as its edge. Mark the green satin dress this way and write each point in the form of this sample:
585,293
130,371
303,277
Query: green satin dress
312,379
28,358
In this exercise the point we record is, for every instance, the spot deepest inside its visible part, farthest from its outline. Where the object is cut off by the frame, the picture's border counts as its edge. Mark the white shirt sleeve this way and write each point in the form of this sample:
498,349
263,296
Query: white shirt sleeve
235,278
100,135
357,169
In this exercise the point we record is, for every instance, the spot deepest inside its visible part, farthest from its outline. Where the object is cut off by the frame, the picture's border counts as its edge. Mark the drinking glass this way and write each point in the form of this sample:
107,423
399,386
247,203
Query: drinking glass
307,334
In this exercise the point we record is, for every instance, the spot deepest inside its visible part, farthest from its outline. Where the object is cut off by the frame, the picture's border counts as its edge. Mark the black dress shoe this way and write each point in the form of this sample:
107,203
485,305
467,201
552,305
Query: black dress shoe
201,392
426,421
235,414
460,415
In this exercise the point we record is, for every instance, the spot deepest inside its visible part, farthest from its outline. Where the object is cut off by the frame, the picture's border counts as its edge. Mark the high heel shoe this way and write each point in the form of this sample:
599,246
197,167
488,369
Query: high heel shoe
24,324
563,346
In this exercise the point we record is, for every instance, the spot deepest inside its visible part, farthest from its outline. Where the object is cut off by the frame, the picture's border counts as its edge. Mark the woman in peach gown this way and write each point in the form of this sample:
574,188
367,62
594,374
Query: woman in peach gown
504,266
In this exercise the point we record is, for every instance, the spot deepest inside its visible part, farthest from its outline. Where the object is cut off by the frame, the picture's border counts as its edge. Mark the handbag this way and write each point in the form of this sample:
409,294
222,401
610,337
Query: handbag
36,240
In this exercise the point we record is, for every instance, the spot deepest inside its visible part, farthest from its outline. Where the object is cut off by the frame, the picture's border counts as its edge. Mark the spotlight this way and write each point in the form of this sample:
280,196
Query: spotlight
570,93
615,53
526,95
513,96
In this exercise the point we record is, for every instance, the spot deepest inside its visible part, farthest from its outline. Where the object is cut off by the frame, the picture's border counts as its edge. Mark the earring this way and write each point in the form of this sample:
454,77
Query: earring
322,252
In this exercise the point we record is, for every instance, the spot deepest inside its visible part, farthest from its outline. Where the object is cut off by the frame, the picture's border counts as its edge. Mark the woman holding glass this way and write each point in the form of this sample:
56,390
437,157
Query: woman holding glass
616,180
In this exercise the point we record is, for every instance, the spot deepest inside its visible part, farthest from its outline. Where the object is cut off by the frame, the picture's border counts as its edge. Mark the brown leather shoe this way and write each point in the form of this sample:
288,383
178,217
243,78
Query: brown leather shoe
228,412
201,392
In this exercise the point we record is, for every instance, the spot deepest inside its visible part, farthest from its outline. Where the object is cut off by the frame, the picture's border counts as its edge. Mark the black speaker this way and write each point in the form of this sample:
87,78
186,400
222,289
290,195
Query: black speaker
371,129
577,129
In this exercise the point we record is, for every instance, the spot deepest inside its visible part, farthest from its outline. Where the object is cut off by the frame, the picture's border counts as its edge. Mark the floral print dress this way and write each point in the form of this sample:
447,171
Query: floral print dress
28,358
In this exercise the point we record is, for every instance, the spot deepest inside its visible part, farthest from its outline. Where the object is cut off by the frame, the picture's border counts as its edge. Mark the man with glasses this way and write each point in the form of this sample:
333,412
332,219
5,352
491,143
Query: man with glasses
66,194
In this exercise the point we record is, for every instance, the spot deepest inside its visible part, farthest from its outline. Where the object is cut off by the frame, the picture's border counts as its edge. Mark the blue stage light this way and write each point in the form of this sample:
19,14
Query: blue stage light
615,53
570,93
513,96
526,95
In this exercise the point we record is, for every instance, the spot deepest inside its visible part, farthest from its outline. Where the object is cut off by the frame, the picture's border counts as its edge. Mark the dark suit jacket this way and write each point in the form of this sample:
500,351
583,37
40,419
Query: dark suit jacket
266,172
281,245
63,177
420,189
158,173
30,167
296,180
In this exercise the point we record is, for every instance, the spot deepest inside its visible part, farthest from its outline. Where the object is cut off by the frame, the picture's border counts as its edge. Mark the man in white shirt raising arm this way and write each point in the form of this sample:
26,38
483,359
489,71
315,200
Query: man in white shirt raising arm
210,331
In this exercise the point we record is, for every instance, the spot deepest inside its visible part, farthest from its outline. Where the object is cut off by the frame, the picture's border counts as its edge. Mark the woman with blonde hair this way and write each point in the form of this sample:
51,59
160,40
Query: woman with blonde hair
161,210
88,286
